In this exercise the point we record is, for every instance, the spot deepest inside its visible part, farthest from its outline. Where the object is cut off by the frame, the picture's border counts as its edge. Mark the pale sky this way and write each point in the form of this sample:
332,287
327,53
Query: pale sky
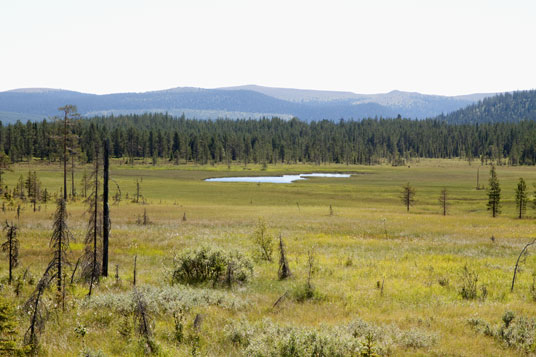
365,46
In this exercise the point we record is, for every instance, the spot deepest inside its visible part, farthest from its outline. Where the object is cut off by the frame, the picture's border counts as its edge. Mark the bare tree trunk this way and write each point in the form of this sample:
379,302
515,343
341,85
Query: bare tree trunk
65,157
60,242
517,262
95,218
58,252
105,210
135,259
73,189
10,258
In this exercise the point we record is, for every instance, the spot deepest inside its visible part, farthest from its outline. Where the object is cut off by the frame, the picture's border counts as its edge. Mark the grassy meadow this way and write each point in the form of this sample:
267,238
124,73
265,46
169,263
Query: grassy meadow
374,261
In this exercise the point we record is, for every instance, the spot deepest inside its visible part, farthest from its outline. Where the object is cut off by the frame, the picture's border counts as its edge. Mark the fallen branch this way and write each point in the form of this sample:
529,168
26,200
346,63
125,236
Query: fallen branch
279,300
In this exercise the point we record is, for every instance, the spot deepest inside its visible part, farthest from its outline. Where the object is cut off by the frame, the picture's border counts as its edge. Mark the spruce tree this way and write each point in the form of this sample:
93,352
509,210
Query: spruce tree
61,238
521,198
8,346
408,196
11,248
91,260
494,193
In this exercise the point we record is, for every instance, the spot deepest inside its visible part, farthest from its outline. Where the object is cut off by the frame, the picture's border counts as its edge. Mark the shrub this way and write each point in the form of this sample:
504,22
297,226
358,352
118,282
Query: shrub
469,285
357,338
518,333
304,292
165,300
264,242
216,266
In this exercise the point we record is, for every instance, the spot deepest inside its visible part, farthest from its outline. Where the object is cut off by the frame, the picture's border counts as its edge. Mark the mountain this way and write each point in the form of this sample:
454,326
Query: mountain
233,102
506,107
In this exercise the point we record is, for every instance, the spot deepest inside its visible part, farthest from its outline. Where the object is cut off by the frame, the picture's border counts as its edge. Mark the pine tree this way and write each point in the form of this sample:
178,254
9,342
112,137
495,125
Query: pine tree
11,248
521,197
443,200
408,196
494,193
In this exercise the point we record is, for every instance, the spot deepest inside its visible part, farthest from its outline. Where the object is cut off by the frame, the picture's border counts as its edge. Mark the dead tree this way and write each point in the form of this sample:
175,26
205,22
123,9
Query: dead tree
443,200
91,269
523,251
311,267
134,273
138,195
70,113
11,247
142,319
105,208
118,195
284,268
37,311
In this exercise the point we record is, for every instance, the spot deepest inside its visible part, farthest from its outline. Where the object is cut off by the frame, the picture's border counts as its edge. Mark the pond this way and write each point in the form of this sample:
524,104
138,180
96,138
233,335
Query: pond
275,179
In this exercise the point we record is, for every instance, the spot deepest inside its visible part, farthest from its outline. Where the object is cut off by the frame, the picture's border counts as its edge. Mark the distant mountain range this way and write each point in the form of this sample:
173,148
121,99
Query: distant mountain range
248,101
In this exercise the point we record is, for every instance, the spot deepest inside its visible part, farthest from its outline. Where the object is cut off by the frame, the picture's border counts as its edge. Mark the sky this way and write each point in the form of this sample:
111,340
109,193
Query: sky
364,46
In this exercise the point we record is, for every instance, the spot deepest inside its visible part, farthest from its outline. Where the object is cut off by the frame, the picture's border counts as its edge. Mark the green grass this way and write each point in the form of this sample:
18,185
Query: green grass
409,252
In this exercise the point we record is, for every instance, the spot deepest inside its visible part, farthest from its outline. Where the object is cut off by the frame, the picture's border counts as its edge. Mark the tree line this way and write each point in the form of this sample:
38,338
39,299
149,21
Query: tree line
522,199
268,141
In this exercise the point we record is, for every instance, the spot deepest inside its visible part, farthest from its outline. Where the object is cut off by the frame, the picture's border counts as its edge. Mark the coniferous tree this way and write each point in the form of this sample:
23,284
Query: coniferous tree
91,260
408,196
494,193
69,113
59,242
4,166
534,198
521,197
38,312
11,248
105,209
8,345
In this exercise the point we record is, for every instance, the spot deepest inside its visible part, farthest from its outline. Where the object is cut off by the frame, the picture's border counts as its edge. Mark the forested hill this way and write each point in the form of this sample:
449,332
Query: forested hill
163,138
507,107
233,102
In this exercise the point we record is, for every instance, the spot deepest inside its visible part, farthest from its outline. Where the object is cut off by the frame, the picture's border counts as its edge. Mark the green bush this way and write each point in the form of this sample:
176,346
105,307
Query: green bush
469,285
518,333
208,265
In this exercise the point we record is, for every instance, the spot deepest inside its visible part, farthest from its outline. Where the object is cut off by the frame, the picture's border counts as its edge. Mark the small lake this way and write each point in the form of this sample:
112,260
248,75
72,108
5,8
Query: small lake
275,179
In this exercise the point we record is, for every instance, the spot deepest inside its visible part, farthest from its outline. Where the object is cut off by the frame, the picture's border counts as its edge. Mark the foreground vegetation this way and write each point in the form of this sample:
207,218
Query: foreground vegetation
365,275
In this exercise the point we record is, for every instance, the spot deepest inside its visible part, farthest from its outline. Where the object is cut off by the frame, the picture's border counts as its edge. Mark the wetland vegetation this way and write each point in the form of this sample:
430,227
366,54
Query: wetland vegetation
366,275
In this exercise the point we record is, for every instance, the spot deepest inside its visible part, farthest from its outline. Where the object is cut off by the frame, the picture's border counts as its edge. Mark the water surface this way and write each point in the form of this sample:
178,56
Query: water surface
275,179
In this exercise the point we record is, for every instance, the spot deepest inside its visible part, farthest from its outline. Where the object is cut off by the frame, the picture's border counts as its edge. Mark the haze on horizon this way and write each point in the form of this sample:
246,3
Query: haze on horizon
434,47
